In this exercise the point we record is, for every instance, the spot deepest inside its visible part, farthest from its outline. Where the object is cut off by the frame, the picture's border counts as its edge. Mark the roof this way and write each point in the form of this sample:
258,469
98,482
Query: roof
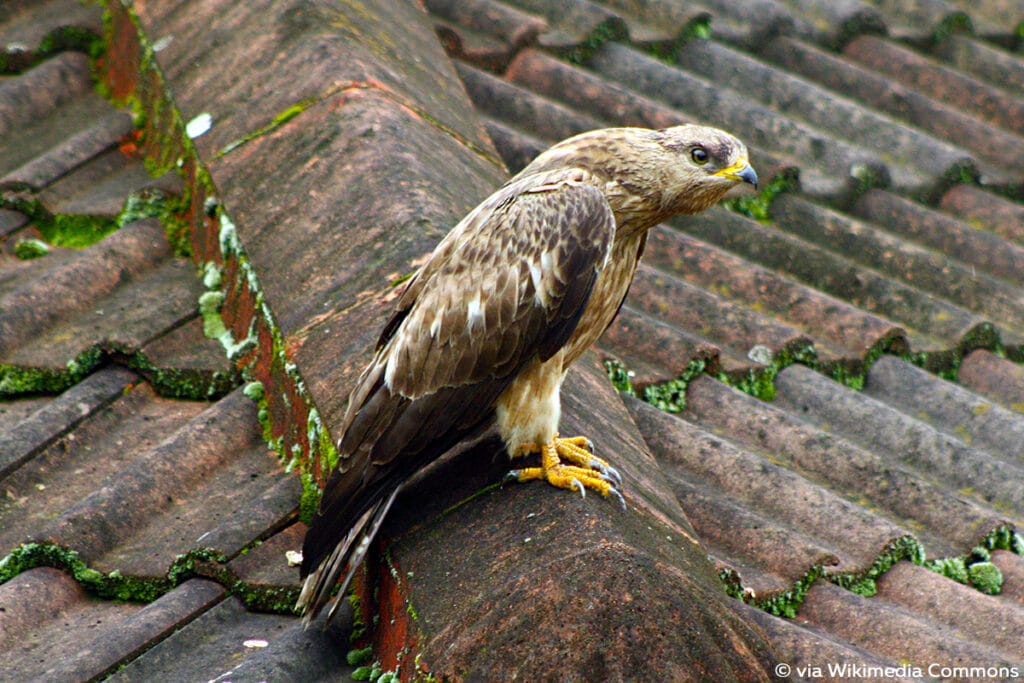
820,387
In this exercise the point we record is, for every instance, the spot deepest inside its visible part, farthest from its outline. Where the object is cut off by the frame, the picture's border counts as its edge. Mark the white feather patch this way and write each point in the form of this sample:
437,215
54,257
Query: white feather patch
474,313
547,262
539,290
435,327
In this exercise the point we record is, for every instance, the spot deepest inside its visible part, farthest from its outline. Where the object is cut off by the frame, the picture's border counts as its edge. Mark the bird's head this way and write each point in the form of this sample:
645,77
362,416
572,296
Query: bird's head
650,175
699,165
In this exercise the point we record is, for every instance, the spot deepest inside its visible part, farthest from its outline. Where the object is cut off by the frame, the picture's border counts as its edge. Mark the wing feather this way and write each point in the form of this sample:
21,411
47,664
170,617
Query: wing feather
509,283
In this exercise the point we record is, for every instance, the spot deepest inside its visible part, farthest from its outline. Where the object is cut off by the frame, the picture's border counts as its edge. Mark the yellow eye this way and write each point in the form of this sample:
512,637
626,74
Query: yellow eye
699,156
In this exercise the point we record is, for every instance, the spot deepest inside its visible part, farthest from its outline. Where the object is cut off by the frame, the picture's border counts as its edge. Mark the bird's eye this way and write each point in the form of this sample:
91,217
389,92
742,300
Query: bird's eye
699,156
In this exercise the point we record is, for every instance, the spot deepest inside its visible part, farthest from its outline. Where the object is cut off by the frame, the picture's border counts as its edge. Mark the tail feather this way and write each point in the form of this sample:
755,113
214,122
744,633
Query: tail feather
346,557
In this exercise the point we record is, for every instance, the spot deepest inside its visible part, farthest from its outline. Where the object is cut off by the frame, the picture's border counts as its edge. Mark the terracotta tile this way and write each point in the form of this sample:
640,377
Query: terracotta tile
997,151
988,479
55,418
232,642
75,286
894,632
974,419
997,378
836,326
42,89
986,211
917,163
223,641
959,90
939,323
989,619
825,455
940,275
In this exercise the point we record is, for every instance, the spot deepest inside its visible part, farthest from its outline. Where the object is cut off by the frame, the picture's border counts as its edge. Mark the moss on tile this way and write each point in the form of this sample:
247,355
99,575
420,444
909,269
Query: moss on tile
18,381
183,383
620,377
79,231
784,603
208,563
863,583
611,29
954,23
975,568
111,586
276,122
16,59
28,249
758,206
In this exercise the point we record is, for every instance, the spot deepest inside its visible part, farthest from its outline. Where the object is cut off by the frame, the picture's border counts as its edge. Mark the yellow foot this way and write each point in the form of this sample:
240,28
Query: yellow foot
570,464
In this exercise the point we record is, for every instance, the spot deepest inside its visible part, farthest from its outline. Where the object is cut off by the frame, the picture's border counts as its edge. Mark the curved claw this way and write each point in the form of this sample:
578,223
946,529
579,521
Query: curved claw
511,475
615,492
583,491
608,473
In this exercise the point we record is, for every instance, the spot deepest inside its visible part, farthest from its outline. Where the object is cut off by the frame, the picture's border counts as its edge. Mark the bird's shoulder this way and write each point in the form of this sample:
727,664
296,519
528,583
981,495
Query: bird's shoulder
535,209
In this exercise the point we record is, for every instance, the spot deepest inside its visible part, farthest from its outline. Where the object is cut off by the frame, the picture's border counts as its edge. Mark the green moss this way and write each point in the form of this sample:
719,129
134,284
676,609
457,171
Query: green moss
1004,538
401,279
62,39
842,373
976,568
310,497
952,568
619,376
205,562
209,308
358,657
212,275
699,28
955,23
757,382
367,673
112,586
184,383
279,120
358,620
610,29
670,396
758,206
269,599
255,391
61,230
986,577
78,231
28,249
71,38
26,381
74,231
787,603
863,584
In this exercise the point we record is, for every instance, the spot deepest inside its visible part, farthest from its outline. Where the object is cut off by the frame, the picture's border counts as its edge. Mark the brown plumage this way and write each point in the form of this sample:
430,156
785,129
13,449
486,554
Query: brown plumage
485,331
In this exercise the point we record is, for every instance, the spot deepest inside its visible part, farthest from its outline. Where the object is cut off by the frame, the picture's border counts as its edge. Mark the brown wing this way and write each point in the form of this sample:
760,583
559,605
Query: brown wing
509,283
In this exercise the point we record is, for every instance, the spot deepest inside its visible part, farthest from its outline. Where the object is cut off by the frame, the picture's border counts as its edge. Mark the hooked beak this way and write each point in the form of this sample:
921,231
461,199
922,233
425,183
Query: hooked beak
741,171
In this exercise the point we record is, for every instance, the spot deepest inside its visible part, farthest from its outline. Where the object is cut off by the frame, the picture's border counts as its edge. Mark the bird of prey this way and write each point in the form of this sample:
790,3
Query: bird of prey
485,331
